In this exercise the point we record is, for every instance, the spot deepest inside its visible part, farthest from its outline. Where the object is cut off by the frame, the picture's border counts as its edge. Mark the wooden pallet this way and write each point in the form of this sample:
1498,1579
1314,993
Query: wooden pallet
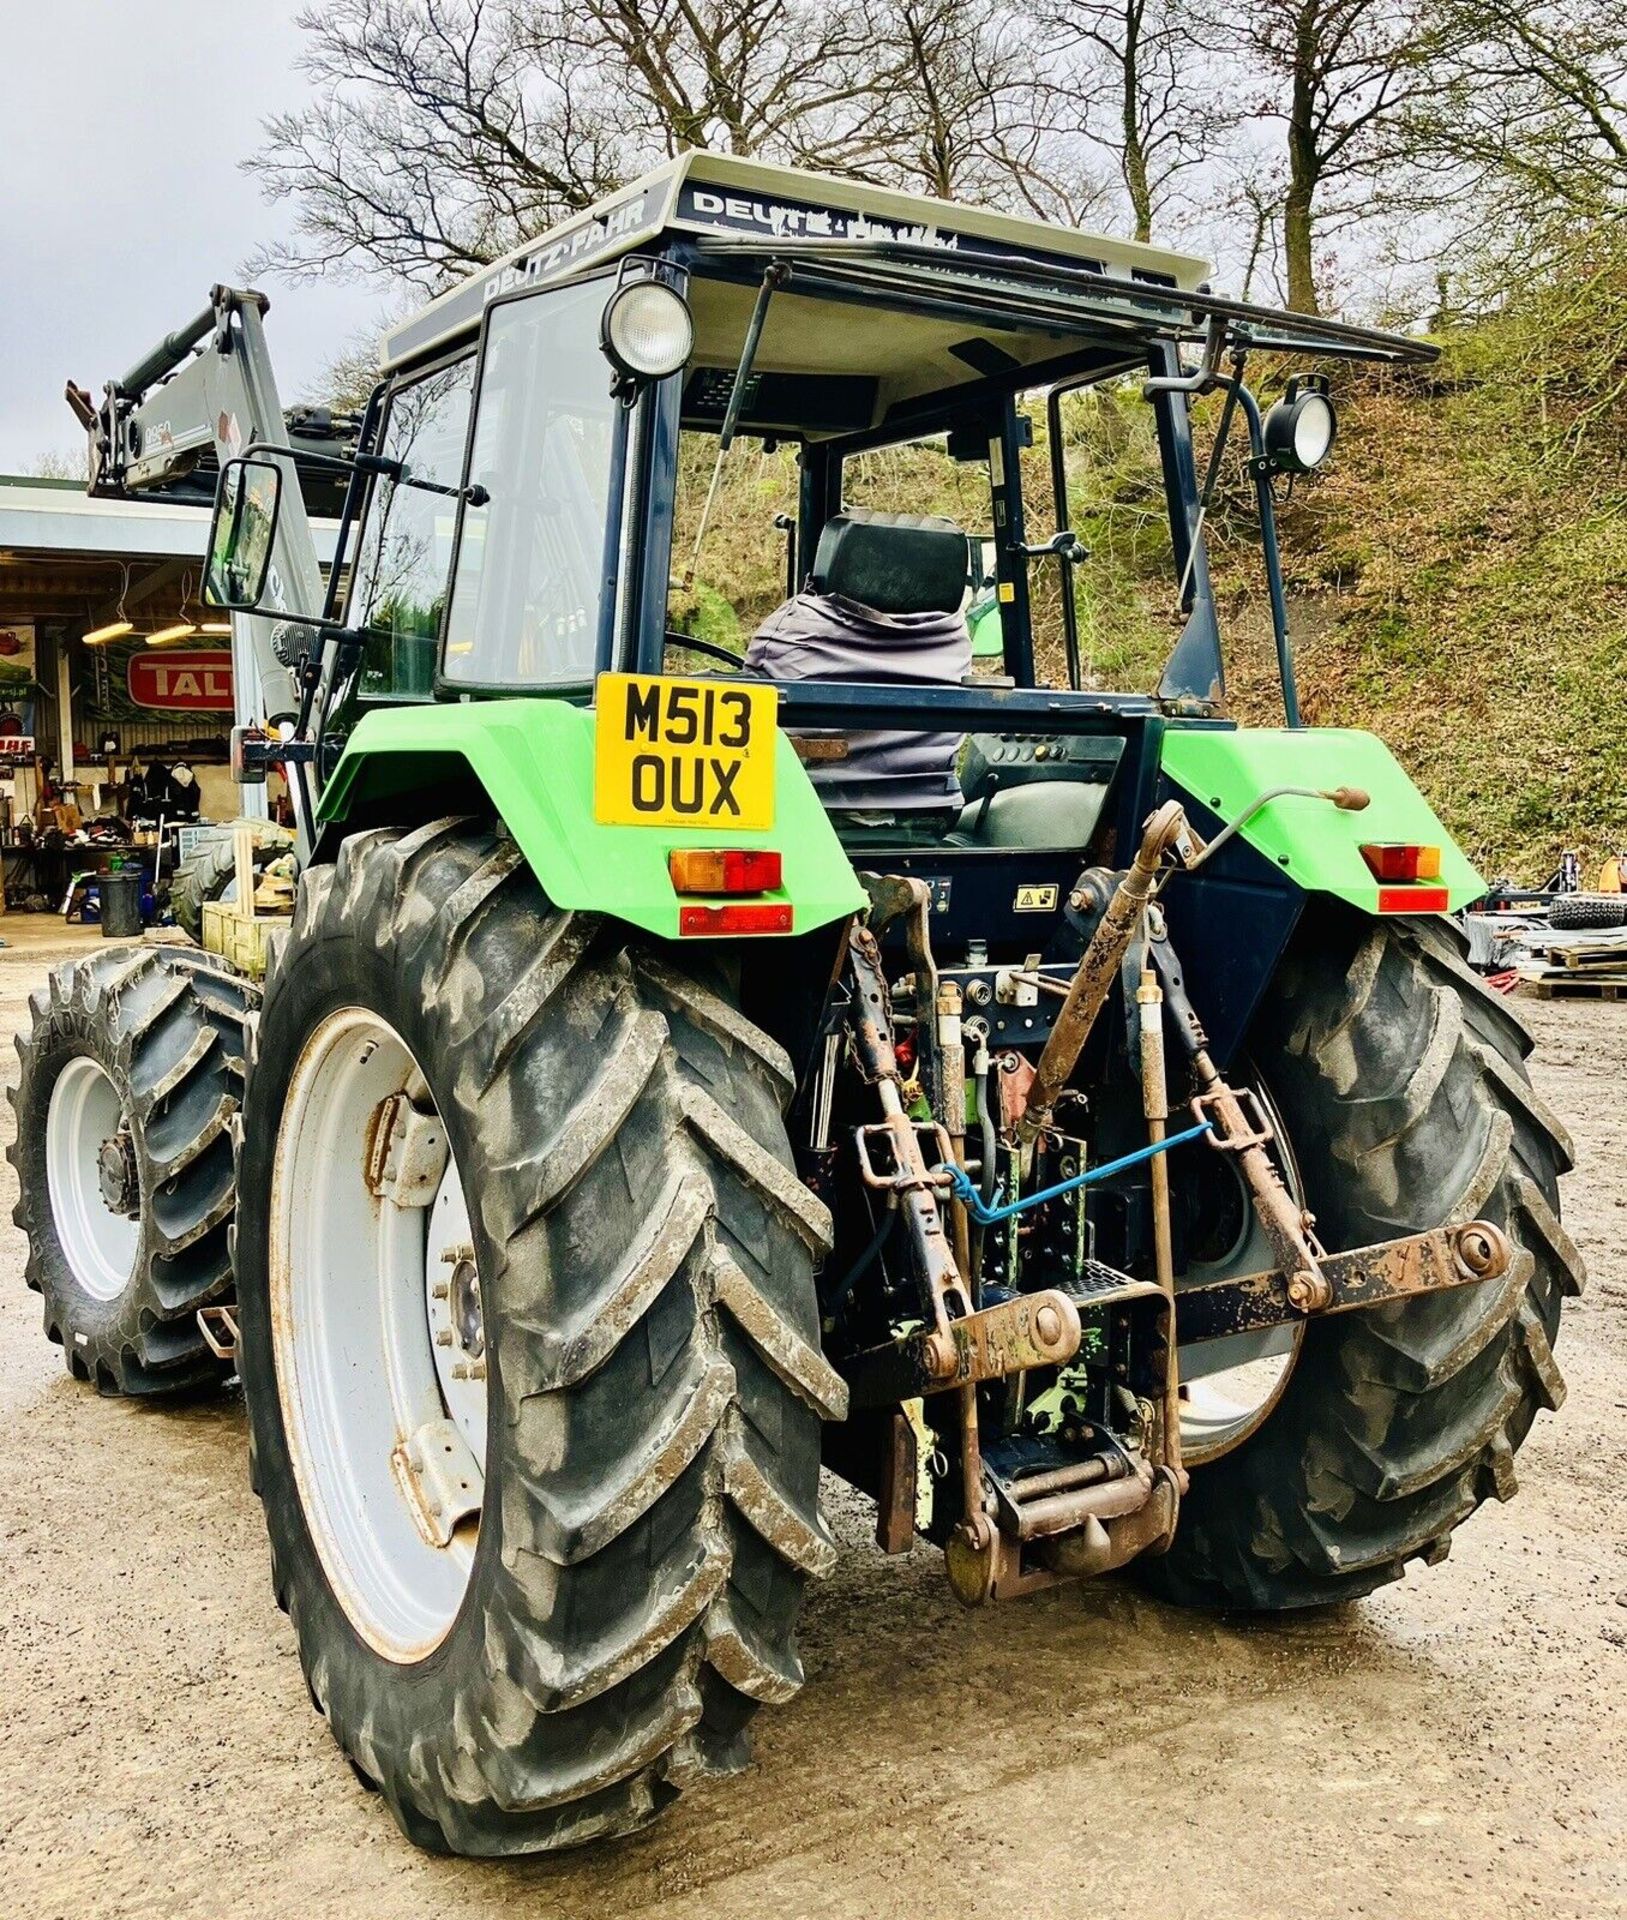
1611,959
1575,985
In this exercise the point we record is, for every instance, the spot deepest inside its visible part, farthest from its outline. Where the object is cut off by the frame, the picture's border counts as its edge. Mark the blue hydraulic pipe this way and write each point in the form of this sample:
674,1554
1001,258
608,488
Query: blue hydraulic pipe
986,1216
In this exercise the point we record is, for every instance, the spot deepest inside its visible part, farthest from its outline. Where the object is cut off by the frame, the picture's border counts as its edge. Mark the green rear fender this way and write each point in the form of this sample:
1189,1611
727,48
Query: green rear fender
534,760
1314,843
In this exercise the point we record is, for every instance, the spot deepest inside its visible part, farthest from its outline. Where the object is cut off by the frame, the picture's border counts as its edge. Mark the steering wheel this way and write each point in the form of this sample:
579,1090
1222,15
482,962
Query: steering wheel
708,647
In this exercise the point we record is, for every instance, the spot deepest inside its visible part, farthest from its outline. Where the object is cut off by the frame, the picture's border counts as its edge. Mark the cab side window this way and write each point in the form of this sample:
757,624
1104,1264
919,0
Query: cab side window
405,556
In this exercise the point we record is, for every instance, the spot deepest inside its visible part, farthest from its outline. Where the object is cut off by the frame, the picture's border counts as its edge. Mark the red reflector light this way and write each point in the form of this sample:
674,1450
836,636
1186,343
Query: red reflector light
757,916
1401,860
723,870
1412,899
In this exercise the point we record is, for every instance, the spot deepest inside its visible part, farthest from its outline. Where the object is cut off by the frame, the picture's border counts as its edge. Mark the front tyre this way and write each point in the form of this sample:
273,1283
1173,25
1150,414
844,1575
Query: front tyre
529,1345
1400,1077
132,1070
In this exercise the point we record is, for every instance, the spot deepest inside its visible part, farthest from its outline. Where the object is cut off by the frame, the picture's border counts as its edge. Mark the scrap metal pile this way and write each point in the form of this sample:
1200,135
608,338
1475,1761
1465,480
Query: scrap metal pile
1555,942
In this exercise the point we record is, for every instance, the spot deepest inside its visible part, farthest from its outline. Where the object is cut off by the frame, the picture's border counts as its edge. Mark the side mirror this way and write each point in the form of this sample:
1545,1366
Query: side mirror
241,534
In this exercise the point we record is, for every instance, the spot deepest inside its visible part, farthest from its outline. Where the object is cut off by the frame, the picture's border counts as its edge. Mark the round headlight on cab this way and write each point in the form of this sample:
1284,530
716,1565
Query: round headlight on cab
647,331
1301,428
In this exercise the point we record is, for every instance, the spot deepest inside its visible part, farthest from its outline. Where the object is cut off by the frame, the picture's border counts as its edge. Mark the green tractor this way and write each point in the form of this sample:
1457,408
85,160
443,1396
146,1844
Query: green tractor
1064,1114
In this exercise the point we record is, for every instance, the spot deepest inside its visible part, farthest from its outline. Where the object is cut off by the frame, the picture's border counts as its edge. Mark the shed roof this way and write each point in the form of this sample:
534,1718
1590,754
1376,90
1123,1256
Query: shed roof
64,555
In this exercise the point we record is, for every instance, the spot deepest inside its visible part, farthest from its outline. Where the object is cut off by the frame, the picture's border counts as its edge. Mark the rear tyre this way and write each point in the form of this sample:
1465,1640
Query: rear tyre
640,1494
209,872
132,1072
1400,1078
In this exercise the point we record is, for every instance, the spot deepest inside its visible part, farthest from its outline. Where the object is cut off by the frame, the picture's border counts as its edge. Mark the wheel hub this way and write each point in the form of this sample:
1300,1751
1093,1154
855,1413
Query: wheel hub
117,1177
466,1319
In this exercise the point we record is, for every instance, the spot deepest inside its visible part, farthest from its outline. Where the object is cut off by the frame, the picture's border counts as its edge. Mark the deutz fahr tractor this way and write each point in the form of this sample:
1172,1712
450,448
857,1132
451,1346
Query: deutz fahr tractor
1065,1115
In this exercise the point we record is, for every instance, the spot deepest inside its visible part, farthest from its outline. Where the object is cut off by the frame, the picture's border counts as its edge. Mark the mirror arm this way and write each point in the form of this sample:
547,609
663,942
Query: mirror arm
376,463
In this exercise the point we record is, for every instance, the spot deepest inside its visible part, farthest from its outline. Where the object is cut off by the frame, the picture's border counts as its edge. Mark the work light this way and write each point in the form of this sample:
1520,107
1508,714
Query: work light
1300,428
647,331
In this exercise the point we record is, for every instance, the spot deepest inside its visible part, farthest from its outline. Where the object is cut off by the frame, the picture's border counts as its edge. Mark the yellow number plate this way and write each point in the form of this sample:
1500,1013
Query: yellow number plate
683,753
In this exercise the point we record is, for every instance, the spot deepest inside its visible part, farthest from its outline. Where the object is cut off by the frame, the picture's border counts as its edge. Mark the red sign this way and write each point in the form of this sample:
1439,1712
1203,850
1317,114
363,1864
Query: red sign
196,682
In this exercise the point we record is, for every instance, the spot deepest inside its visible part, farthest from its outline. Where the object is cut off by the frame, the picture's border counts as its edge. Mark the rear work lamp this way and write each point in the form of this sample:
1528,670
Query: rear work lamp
1300,429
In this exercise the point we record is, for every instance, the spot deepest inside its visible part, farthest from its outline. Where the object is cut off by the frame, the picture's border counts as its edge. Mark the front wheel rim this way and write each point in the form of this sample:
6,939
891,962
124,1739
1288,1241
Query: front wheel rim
85,1126
378,1334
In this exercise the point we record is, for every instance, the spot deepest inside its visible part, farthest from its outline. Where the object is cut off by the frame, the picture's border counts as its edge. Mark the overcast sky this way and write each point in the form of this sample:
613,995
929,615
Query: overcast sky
122,123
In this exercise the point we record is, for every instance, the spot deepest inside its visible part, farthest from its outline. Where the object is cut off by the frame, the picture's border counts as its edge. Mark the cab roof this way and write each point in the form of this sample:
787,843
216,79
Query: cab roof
715,195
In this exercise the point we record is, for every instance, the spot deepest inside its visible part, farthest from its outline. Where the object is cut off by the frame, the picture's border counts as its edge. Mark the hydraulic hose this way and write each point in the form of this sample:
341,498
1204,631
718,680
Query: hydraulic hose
861,1266
985,1122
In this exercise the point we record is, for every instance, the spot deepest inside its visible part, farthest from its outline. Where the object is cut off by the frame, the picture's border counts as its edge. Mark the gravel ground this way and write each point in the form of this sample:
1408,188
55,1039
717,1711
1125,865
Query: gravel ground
1455,1745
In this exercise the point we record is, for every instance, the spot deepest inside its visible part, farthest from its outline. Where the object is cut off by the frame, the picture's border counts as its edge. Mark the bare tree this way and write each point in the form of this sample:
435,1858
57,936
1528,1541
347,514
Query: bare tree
440,134
56,465
1531,101
962,112
445,131
784,79
1134,84
1346,72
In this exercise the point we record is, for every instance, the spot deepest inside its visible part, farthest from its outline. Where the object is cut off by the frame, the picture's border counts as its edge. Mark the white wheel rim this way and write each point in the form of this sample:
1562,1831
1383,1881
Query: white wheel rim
386,1425
99,1244
1228,1387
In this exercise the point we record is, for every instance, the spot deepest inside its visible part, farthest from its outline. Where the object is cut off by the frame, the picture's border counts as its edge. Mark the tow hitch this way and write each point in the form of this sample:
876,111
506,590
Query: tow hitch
1094,1492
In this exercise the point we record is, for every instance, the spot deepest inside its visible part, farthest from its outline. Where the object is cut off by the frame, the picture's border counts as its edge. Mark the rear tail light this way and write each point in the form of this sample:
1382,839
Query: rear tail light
753,916
1412,899
1393,860
723,870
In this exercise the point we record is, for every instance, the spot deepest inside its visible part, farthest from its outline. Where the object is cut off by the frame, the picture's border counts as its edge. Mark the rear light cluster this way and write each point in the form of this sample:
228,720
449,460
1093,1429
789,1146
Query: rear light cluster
1402,869
728,870
1392,860
723,870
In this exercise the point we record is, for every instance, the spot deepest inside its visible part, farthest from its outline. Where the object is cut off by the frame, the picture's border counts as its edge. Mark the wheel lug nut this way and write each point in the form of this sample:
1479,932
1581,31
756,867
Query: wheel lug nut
440,1290
443,1336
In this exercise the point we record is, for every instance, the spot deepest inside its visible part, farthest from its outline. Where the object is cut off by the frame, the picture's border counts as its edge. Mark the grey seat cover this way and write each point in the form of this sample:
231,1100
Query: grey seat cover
819,636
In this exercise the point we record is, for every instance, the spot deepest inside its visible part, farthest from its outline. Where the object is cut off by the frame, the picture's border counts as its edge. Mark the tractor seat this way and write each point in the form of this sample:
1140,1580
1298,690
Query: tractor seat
883,603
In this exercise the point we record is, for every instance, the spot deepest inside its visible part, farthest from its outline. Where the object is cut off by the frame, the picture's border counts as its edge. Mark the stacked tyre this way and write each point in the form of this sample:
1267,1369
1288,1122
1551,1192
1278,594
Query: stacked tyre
209,871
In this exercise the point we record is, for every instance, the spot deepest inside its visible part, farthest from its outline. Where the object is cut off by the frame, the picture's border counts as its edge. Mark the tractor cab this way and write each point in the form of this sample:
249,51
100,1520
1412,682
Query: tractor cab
586,460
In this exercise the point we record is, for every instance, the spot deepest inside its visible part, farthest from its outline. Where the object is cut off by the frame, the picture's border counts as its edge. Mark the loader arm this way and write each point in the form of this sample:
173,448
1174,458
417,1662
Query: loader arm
198,398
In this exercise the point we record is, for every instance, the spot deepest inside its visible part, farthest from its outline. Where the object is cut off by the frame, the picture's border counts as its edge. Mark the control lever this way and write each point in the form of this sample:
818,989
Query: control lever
1065,546
1346,799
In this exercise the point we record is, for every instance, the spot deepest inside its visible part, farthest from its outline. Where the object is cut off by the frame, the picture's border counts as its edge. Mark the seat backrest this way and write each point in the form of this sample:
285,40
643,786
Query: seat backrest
893,562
